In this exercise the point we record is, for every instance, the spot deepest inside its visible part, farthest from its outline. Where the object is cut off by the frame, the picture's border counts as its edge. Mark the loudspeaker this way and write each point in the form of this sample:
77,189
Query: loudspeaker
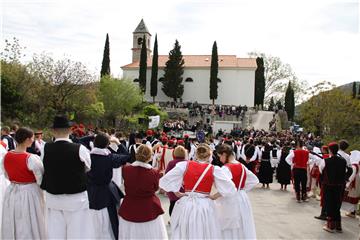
141,120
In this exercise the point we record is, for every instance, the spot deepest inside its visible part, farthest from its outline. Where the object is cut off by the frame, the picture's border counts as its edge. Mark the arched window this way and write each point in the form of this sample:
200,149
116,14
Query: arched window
139,41
136,80
189,79
218,80
161,79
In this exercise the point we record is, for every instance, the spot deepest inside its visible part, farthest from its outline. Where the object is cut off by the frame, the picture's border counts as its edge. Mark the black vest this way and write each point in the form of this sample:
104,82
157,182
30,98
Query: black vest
334,172
11,145
64,172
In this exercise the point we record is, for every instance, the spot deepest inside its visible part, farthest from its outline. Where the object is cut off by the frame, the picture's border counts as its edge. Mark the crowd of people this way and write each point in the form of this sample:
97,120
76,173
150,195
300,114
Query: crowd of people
195,109
92,183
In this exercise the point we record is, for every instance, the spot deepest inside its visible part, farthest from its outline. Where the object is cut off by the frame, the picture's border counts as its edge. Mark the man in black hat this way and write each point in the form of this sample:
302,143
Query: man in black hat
64,182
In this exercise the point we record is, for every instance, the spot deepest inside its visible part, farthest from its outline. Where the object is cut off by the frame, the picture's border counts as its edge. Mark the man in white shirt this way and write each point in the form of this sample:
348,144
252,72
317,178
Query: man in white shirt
64,182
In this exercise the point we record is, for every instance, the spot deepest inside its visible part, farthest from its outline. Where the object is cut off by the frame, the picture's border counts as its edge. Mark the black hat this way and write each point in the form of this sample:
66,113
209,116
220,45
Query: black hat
61,121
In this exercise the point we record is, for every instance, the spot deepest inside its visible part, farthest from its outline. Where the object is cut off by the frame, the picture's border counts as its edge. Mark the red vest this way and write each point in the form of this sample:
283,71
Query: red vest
192,174
236,171
301,158
15,165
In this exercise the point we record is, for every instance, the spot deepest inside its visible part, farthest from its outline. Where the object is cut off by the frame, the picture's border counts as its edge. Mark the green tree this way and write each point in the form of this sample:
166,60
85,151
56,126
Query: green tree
214,74
154,71
21,92
63,79
290,102
277,74
143,66
105,66
332,114
271,104
259,82
354,90
174,69
120,97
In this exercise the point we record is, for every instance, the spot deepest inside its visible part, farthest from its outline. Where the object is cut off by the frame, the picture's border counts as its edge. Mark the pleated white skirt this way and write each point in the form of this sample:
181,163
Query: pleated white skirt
154,229
4,183
23,212
102,224
236,218
194,217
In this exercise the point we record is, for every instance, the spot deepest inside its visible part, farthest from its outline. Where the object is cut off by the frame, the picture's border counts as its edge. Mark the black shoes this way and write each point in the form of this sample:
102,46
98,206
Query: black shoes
321,217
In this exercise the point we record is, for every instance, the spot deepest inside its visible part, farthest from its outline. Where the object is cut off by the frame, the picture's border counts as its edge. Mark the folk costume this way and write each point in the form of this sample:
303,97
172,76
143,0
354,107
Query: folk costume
265,171
64,183
235,213
140,211
23,205
194,215
299,160
334,175
172,197
104,195
162,157
4,182
283,171
352,191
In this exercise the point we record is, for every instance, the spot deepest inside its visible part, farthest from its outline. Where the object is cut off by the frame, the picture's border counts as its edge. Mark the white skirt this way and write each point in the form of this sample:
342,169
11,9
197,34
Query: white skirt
4,183
154,229
194,217
235,216
23,212
102,224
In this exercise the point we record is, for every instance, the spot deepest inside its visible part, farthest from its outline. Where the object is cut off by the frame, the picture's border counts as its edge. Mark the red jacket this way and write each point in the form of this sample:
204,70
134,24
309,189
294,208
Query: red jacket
140,203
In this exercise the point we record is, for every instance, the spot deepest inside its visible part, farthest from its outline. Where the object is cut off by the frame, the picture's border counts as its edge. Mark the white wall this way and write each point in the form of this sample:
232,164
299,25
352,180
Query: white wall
236,86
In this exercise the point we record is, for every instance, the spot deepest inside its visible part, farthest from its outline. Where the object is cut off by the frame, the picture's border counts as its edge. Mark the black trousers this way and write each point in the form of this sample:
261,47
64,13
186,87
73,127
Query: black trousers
300,180
333,196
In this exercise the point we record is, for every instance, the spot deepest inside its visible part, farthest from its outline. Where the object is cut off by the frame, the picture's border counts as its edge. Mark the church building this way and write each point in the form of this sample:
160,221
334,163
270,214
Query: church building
236,76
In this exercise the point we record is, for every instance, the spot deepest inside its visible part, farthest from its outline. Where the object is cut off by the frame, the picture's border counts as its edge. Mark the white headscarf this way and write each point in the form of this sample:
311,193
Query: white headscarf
355,157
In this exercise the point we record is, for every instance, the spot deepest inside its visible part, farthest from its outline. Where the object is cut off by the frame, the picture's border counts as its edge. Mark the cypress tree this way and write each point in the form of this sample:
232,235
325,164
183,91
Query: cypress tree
174,69
259,82
271,104
213,74
154,71
290,102
143,66
279,105
354,90
105,66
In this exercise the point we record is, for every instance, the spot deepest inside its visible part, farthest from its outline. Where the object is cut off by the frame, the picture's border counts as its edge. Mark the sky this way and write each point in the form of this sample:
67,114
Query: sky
319,38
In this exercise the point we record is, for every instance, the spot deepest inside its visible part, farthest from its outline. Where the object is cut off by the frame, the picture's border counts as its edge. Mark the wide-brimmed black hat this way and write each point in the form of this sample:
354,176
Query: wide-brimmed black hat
61,121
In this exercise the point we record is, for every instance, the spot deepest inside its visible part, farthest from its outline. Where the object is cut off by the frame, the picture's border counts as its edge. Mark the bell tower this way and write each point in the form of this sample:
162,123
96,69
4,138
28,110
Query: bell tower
138,35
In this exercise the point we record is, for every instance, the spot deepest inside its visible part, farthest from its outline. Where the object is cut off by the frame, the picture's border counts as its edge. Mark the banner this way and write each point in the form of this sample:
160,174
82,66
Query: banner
154,121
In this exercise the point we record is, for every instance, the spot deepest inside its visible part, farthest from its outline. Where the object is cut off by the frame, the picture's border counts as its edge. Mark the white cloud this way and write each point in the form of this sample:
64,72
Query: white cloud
319,39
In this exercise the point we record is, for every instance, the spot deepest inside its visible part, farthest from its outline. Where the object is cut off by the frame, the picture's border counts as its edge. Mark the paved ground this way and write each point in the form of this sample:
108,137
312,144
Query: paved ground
261,119
278,216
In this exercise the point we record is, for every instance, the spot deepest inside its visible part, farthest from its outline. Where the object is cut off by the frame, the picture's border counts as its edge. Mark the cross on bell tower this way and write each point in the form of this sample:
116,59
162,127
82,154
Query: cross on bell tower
138,35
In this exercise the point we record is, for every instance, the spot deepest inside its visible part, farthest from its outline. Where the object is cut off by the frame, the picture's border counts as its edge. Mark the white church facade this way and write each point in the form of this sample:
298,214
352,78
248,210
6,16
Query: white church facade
236,76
